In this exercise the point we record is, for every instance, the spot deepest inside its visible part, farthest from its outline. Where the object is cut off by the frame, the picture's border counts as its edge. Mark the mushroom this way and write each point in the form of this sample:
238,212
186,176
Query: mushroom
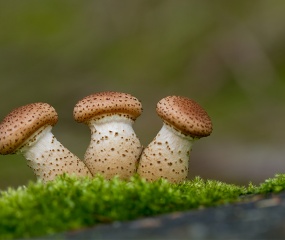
114,148
167,156
27,130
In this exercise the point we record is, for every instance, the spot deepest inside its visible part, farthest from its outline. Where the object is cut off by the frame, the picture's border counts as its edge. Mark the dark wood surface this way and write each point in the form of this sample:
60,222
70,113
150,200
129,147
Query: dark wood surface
257,217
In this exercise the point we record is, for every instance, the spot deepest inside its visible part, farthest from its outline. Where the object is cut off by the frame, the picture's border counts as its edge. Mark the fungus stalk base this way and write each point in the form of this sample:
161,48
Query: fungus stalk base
114,147
49,158
167,156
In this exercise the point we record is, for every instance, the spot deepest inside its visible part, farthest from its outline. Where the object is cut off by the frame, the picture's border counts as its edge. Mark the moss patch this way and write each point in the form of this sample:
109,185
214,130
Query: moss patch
70,203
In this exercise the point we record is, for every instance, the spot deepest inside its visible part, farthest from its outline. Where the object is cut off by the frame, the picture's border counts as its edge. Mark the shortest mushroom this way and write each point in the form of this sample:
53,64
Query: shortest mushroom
167,156
27,130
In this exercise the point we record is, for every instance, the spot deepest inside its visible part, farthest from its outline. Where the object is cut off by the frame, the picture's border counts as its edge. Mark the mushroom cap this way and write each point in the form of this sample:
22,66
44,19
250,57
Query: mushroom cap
22,122
185,115
107,103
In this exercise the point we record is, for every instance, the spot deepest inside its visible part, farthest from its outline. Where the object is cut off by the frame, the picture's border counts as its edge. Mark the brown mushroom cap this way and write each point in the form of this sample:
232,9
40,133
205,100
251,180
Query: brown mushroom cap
107,103
185,115
22,122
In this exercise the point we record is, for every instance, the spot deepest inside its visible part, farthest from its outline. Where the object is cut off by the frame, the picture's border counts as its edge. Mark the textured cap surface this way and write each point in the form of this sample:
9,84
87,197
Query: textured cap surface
185,115
22,122
103,103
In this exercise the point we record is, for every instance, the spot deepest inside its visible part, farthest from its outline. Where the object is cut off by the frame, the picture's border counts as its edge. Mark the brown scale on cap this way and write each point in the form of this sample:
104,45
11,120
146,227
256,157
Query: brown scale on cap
107,103
167,156
27,130
185,115
114,147
22,122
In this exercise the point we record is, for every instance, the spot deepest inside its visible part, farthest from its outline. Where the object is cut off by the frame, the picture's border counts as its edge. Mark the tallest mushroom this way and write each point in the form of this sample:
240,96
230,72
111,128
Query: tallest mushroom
114,147
167,156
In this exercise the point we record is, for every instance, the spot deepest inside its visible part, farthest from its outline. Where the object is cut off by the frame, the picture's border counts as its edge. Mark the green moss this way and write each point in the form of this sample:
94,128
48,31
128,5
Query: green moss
71,203
275,185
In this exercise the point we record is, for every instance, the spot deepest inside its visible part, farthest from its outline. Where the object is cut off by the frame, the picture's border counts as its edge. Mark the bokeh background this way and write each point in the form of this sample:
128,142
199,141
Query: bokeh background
228,56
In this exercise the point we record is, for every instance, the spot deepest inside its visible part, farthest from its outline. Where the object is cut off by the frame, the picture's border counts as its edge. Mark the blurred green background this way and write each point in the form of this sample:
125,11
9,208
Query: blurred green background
228,56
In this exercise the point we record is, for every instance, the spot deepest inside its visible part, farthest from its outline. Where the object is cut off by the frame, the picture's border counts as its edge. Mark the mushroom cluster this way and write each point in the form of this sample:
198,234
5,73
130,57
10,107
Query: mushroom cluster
114,148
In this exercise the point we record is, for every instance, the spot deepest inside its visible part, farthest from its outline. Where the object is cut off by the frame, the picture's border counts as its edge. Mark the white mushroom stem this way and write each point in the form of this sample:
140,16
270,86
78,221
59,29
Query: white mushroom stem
49,158
114,148
167,156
